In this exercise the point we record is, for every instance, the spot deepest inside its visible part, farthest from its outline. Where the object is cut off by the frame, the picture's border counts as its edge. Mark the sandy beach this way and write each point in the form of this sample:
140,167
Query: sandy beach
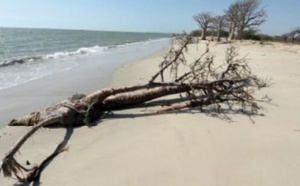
139,148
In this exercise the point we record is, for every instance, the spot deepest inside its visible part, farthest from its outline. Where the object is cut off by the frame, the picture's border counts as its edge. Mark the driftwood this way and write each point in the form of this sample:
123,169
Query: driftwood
201,84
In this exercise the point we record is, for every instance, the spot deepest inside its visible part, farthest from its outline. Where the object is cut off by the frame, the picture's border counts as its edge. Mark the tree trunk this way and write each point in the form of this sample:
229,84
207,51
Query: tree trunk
203,34
231,32
231,35
240,32
74,113
219,34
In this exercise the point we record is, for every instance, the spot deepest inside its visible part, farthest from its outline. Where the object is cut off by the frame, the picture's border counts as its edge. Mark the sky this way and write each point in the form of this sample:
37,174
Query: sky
170,16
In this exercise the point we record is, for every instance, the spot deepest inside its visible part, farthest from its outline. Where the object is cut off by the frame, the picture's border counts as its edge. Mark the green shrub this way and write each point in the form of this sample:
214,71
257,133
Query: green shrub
196,33
264,37
253,35
250,35
224,33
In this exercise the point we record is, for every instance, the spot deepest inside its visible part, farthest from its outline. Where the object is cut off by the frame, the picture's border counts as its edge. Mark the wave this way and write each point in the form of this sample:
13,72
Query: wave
65,54
22,70
18,61
80,51
56,55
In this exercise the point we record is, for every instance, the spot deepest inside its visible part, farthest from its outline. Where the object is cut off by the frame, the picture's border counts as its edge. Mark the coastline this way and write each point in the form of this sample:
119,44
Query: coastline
92,73
137,147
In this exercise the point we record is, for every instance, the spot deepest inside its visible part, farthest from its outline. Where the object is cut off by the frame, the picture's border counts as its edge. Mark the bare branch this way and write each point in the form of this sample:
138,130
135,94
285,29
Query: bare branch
245,14
203,20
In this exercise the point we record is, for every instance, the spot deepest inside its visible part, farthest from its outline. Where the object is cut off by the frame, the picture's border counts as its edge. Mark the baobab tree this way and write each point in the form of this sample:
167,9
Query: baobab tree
218,23
245,14
204,20
232,18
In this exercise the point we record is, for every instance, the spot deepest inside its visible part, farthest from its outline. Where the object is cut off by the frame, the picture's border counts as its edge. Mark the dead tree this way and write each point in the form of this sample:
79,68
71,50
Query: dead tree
204,20
201,84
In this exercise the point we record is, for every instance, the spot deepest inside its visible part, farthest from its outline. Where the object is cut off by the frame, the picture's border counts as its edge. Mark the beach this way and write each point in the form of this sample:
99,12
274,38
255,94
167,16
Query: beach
138,147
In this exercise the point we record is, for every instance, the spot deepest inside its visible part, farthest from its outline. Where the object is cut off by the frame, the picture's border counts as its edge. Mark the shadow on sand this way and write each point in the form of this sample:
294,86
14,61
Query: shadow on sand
225,114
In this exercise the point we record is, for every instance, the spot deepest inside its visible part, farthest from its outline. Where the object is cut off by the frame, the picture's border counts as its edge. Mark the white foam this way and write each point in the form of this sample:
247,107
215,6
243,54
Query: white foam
35,68
80,51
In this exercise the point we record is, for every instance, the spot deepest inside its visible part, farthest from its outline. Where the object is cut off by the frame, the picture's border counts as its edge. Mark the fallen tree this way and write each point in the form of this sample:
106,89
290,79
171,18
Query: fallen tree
200,85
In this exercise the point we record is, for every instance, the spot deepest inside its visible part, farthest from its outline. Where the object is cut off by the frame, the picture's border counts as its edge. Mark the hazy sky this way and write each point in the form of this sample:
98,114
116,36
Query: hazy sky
134,15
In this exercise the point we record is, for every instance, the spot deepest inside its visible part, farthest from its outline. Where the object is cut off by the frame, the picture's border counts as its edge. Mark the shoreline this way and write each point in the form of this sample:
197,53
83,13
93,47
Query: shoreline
137,147
95,73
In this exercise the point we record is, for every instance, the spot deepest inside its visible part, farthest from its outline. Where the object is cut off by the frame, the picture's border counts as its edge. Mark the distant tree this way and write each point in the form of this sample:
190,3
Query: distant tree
252,14
294,35
245,14
218,23
232,18
204,20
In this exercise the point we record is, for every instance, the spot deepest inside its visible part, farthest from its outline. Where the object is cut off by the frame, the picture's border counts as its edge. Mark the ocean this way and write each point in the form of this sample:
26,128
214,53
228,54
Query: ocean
28,54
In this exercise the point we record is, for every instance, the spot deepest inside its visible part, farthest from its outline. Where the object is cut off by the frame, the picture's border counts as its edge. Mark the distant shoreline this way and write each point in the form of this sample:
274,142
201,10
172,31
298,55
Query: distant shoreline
90,30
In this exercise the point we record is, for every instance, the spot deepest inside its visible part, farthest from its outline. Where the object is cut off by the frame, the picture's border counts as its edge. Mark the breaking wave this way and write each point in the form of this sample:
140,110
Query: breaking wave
21,70
56,55
66,54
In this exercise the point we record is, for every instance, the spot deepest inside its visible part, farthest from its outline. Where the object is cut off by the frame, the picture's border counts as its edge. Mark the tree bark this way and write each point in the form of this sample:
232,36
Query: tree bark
231,32
204,33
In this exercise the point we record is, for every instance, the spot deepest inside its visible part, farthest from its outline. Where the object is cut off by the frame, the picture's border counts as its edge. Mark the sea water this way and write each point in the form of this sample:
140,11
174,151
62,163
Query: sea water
29,54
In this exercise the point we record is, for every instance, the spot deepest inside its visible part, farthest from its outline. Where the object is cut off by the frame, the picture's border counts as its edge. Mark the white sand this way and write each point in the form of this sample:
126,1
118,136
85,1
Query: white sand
135,147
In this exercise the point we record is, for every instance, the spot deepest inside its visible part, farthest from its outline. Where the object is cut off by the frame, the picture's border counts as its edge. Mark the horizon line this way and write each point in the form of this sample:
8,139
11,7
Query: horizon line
91,30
